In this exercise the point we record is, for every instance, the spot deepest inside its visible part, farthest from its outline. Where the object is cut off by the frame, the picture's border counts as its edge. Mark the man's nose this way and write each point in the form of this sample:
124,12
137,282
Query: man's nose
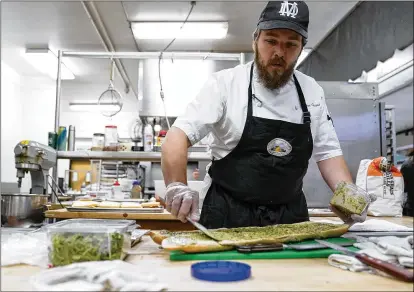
279,51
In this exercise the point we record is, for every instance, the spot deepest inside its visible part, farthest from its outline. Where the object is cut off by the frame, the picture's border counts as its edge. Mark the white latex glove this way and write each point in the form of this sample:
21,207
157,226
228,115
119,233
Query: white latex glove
355,218
181,201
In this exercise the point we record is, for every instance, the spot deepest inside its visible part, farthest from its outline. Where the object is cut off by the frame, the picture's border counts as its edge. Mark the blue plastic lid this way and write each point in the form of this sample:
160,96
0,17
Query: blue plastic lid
136,182
220,271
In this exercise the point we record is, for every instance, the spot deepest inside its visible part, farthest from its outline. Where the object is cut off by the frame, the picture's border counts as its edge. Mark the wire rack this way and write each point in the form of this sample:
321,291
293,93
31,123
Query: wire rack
105,173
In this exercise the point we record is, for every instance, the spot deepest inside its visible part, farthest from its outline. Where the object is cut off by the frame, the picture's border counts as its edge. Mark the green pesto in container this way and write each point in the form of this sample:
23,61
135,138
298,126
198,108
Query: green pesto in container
348,200
72,248
82,240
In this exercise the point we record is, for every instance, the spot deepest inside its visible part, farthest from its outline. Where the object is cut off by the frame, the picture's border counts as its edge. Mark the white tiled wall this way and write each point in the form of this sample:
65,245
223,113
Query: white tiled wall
11,120
27,113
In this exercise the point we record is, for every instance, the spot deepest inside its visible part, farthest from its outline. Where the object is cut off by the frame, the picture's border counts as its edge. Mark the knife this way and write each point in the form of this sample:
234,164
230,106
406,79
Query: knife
196,224
388,268
202,228
281,246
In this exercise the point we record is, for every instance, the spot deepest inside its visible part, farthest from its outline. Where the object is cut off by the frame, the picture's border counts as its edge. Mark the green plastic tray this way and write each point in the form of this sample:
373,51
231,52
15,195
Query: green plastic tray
283,254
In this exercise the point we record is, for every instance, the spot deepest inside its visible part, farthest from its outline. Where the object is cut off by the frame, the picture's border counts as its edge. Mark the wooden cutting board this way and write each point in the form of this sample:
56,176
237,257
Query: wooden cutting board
283,254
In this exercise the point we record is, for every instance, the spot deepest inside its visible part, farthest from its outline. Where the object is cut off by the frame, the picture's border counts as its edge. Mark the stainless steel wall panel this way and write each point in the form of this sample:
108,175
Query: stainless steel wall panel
356,116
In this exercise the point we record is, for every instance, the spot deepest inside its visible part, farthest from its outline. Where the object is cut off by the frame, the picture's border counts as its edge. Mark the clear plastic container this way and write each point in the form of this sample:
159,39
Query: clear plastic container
82,240
350,199
111,138
98,142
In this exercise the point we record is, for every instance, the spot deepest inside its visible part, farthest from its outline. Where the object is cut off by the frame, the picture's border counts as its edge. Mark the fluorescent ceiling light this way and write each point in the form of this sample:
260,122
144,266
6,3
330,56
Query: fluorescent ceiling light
92,106
170,30
46,62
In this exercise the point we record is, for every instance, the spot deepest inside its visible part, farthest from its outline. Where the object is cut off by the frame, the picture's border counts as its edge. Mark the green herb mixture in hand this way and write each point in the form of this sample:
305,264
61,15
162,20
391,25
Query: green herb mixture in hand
348,201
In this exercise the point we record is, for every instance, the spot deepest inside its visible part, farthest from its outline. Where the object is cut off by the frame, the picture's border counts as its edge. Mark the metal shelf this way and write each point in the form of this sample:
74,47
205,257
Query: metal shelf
125,155
390,133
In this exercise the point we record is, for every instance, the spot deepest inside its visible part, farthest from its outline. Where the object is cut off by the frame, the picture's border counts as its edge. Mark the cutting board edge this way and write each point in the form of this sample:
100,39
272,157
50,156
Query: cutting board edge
285,254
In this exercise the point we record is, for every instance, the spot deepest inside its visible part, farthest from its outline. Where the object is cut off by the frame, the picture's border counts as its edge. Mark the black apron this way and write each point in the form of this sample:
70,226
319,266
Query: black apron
260,182
407,171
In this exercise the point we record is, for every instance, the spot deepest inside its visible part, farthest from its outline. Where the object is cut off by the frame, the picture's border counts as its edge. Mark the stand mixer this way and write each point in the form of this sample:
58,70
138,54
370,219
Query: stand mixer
25,209
36,158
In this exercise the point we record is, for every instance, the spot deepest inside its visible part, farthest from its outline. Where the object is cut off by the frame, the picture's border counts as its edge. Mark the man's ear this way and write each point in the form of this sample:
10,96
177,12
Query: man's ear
254,46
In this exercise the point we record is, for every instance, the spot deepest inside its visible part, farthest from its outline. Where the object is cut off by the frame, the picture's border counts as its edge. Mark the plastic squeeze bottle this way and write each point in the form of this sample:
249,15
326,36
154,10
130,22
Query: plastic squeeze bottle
136,190
117,191
148,137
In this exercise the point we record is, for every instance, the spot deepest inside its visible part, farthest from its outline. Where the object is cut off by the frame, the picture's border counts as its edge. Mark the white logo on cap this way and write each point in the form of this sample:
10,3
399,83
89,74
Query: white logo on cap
289,9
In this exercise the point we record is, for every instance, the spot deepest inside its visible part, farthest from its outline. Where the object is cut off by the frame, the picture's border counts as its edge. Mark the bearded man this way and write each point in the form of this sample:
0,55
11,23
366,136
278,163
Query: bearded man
265,120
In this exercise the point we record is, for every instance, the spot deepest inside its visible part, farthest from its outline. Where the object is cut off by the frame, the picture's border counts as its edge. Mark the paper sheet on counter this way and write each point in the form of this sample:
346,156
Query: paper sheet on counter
372,225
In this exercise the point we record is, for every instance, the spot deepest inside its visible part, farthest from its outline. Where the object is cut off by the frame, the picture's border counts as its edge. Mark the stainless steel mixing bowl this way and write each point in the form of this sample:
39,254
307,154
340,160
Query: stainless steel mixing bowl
23,207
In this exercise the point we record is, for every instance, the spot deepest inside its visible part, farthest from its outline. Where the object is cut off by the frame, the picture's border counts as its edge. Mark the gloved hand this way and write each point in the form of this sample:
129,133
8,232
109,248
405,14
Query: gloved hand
353,190
182,201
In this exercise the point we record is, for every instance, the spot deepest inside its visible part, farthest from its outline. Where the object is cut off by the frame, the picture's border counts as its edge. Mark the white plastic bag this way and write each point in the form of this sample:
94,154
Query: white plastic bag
97,276
25,248
385,181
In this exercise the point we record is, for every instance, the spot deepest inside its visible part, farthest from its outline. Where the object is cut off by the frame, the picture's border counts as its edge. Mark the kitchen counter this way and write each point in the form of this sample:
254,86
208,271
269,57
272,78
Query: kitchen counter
126,155
270,275
165,220
154,221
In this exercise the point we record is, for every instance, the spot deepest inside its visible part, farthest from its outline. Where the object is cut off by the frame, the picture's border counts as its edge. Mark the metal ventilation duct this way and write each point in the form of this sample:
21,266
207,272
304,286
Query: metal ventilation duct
392,74
371,32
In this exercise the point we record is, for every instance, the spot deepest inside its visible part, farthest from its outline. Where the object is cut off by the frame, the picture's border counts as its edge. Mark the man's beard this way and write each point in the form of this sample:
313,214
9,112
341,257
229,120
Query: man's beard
273,80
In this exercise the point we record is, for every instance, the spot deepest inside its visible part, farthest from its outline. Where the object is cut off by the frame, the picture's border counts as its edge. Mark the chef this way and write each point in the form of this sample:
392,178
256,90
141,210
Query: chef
407,171
265,121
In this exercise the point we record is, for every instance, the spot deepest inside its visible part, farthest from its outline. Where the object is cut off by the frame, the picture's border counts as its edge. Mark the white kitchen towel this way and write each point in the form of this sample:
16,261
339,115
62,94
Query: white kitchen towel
347,263
388,248
97,276
401,248
392,245
370,249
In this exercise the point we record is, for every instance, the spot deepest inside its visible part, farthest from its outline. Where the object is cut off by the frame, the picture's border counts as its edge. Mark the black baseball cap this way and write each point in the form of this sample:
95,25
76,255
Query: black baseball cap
292,15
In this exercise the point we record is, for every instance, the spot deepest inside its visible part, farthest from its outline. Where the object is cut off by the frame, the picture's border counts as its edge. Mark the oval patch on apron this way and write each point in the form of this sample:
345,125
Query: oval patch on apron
279,147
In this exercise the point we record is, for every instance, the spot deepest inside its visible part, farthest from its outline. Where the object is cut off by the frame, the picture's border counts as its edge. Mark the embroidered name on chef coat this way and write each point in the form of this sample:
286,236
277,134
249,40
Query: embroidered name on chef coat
279,147
329,117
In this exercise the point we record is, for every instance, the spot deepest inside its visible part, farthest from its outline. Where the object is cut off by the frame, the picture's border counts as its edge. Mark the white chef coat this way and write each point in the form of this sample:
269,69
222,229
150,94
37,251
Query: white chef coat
220,109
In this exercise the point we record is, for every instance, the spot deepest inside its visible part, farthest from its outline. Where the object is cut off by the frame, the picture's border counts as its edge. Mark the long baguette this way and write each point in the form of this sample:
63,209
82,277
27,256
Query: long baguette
196,241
